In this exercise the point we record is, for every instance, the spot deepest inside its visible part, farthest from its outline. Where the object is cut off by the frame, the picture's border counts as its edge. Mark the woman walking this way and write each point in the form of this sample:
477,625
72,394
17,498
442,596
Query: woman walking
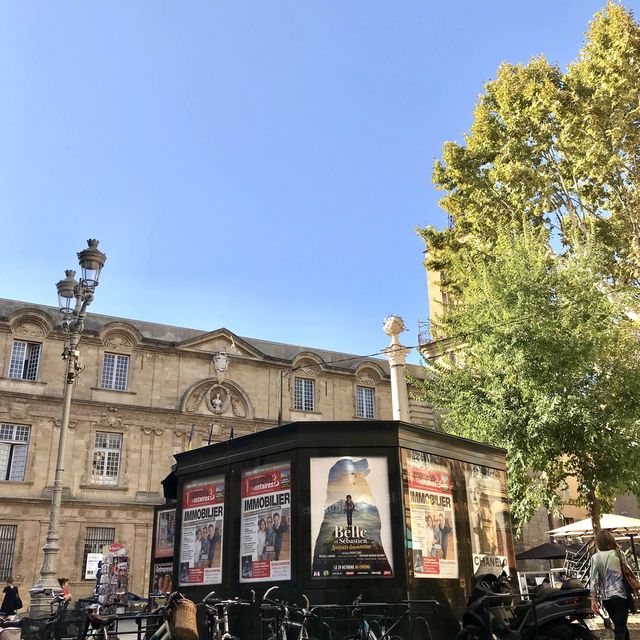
10,600
608,582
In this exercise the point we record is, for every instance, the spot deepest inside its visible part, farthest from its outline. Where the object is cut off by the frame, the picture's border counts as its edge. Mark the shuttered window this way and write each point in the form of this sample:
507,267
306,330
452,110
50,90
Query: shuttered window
95,538
8,534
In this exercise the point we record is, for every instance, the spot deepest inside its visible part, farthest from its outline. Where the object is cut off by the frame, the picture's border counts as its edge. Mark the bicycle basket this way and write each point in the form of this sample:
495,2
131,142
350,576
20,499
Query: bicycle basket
183,620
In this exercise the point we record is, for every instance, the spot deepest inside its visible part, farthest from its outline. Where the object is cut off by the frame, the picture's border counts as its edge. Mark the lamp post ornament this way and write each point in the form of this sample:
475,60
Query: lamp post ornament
91,262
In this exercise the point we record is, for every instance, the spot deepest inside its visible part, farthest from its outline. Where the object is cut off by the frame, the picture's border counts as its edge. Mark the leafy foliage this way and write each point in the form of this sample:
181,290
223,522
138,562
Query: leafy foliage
559,150
549,368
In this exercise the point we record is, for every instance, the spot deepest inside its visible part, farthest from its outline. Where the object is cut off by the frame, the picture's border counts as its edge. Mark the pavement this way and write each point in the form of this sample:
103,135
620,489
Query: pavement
633,624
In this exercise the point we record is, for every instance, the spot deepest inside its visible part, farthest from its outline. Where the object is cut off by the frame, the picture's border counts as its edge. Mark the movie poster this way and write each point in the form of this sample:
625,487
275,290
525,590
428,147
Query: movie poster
350,517
265,527
433,527
201,539
162,577
165,532
489,519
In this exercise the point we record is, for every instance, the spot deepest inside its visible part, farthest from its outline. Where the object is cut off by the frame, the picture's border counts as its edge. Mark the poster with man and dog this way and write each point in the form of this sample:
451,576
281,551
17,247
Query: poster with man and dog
350,517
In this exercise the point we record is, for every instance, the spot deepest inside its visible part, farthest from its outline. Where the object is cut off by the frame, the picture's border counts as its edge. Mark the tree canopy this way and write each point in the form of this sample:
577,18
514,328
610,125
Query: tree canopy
542,264
559,150
549,368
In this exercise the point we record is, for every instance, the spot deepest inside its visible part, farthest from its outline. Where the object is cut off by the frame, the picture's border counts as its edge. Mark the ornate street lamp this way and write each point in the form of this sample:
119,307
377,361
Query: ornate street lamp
73,316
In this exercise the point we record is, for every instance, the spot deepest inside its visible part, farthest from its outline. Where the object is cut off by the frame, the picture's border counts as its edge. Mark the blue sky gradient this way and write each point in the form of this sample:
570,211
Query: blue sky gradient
255,165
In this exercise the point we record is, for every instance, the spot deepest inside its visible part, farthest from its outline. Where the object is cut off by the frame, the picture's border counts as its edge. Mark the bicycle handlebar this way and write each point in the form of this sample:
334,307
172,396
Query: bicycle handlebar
285,606
209,600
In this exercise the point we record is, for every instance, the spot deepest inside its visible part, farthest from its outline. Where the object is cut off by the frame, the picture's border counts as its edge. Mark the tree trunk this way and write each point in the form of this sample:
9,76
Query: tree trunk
594,511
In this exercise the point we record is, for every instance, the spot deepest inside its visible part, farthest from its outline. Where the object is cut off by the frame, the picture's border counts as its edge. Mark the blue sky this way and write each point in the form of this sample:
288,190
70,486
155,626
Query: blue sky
255,165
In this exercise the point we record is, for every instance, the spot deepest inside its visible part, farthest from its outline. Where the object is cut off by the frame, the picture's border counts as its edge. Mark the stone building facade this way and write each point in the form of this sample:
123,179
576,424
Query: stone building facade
144,391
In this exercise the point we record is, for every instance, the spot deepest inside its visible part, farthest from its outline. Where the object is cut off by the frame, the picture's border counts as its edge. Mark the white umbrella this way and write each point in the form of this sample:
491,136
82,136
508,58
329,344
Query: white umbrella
611,521
621,525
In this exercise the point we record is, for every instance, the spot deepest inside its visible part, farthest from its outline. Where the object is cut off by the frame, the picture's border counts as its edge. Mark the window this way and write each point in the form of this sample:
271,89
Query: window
25,357
14,442
94,539
106,458
365,402
304,395
7,545
114,372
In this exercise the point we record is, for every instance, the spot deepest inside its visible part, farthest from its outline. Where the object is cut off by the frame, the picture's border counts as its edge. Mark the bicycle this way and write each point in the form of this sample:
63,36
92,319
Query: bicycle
217,612
419,619
280,623
369,623
98,625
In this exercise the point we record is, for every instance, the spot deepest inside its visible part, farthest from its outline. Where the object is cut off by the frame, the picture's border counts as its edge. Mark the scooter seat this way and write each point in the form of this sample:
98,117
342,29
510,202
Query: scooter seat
551,594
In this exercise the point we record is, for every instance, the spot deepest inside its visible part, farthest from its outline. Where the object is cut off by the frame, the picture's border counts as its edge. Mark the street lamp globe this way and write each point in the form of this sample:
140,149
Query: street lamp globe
91,262
66,292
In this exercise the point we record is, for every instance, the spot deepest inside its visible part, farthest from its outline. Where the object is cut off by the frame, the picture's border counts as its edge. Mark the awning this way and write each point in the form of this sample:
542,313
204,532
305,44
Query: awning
622,525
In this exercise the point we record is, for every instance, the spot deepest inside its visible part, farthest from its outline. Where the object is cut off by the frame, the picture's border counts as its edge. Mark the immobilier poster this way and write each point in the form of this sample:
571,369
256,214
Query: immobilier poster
431,509
265,527
202,532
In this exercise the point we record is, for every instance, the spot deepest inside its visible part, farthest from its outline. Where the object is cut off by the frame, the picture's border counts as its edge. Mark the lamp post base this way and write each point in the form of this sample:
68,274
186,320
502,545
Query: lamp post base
41,596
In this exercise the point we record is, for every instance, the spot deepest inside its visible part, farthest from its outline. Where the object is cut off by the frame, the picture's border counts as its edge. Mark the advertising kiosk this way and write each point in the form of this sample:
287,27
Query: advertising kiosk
333,510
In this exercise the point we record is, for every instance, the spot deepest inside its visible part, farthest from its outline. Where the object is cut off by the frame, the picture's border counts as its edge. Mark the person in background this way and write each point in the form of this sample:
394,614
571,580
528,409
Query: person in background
430,537
269,540
279,528
204,549
444,529
349,508
261,538
607,583
197,547
98,578
214,539
10,598
64,585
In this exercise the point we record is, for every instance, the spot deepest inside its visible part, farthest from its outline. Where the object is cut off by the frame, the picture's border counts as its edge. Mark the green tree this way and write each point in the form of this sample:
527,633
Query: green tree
558,150
548,367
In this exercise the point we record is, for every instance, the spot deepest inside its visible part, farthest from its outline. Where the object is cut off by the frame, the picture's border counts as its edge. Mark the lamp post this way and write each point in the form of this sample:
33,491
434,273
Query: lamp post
73,316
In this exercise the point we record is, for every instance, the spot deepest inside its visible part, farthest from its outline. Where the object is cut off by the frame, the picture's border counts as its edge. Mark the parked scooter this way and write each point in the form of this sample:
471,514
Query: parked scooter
551,614
10,628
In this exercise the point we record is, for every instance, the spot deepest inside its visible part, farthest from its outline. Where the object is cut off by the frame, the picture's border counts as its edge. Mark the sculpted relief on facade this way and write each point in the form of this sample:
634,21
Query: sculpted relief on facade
219,399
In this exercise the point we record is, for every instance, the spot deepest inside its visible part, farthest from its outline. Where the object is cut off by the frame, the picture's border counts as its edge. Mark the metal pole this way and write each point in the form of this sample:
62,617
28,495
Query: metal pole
48,579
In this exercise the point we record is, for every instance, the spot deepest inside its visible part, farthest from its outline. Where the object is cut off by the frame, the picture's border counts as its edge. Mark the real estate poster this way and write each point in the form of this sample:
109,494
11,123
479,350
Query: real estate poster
265,527
489,519
162,577
165,533
202,532
433,527
350,518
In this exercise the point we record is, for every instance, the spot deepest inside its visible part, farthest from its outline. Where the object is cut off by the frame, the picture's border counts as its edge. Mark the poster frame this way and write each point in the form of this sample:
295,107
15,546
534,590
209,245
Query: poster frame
160,551
211,476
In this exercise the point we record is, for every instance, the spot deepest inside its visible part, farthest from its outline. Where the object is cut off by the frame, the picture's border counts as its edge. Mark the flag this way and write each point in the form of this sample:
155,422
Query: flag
231,434
210,433
190,443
